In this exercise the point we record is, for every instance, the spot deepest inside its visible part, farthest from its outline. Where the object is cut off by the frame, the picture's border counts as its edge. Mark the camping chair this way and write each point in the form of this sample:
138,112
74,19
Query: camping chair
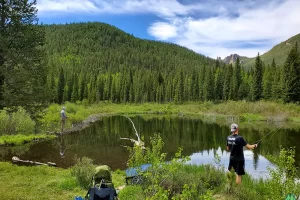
102,186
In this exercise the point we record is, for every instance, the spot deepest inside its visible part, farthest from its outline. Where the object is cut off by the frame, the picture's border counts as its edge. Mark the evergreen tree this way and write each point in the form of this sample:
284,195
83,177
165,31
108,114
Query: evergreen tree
257,87
22,66
227,85
267,84
237,79
219,76
74,95
209,85
292,76
61,86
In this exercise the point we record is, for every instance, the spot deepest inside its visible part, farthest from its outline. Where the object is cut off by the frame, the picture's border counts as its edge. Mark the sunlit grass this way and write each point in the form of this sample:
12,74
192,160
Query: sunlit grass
42,182
22,139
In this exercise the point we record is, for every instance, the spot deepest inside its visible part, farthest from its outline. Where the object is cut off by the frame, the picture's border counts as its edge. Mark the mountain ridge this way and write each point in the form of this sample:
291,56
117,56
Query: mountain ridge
279,53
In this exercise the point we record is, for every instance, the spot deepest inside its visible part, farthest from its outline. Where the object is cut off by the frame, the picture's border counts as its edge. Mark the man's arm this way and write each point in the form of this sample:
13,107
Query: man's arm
227,148
249,146
227,145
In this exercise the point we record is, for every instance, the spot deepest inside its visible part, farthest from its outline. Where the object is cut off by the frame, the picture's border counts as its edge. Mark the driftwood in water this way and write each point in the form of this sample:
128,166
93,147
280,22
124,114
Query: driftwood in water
18,161
137,142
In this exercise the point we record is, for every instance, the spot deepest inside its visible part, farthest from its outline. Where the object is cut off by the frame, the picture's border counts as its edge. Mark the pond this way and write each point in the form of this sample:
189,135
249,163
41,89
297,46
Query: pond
200,140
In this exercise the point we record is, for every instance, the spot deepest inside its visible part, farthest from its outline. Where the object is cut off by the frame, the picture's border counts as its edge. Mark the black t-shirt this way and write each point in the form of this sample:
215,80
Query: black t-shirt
236,144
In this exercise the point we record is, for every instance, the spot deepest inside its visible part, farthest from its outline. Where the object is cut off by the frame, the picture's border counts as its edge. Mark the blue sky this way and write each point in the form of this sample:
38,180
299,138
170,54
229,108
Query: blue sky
210,27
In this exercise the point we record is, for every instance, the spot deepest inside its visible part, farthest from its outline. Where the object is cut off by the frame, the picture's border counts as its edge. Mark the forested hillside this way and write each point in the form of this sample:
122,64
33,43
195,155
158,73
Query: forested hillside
96,62
99,62
279,53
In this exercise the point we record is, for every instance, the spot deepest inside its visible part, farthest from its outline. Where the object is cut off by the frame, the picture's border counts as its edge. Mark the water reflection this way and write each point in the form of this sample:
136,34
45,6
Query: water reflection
256,165
200,140
62,146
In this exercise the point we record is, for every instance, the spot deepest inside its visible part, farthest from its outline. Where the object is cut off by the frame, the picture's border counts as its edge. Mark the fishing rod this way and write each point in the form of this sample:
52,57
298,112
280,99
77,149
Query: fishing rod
275,129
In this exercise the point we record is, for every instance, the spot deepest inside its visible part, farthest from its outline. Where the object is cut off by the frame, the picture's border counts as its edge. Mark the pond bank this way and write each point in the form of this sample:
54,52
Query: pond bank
80,116
19,139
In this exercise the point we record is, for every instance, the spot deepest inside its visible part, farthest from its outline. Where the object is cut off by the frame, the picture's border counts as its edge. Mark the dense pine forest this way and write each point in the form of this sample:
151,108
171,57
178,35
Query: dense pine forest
92,62
98,62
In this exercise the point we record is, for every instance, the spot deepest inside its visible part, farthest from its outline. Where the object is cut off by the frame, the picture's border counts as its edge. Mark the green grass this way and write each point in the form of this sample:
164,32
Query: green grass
22,139
42,182
241,110
39,182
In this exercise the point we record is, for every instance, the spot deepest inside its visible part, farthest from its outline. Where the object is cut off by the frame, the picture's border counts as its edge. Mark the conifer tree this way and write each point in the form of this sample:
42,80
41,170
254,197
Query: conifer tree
22,63
227,85
257,87
74,95
208,85
292,76
237,79
61,86
267,84
219,76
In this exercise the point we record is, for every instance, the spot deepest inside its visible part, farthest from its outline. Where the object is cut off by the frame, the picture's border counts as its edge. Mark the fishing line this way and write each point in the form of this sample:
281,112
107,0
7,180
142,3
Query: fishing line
269,142
275,129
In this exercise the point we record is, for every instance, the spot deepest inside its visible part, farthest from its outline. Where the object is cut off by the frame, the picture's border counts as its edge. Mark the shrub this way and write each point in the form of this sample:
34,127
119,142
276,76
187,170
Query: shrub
283,178
83,170
18,122
169,179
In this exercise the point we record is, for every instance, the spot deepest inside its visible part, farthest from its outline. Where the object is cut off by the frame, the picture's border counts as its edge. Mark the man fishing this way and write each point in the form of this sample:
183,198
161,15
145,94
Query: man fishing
63,117
235,144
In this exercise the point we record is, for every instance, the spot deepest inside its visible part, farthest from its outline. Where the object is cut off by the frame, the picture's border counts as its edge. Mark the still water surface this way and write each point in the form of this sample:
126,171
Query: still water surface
200,140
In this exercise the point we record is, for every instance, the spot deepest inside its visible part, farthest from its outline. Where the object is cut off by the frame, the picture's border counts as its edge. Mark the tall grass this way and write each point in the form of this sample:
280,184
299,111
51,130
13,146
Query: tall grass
18,122
22,139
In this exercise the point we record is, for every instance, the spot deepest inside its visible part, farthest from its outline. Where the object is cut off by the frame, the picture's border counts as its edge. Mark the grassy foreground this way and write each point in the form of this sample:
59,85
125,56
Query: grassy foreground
242,110
41,182
179,181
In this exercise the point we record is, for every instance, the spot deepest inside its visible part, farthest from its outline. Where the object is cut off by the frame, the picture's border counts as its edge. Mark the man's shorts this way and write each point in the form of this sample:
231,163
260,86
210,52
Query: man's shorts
238,166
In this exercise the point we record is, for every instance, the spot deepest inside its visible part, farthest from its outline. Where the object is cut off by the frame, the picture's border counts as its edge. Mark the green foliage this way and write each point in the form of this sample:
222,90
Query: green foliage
103,63
257,86
83,170
283,178
164,180
22,139
237,79
22,62
61,86
292,76
18,122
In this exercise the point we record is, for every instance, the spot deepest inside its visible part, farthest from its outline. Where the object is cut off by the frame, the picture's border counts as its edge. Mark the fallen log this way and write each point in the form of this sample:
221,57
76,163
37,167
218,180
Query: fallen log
18,161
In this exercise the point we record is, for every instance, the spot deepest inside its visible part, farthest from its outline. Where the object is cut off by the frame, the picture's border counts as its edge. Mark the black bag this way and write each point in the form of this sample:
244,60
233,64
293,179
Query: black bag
96,193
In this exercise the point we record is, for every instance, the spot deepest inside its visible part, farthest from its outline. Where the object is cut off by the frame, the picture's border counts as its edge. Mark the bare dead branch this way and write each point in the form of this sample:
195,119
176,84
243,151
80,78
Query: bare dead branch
136,133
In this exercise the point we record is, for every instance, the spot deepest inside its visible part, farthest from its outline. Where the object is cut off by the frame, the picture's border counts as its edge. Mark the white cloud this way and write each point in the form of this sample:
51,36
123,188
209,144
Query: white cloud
208,26
162,30
49,6
211,36
166,8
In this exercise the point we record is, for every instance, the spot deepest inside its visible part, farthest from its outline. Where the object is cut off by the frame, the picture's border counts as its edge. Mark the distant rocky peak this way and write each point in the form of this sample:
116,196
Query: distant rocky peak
231,59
